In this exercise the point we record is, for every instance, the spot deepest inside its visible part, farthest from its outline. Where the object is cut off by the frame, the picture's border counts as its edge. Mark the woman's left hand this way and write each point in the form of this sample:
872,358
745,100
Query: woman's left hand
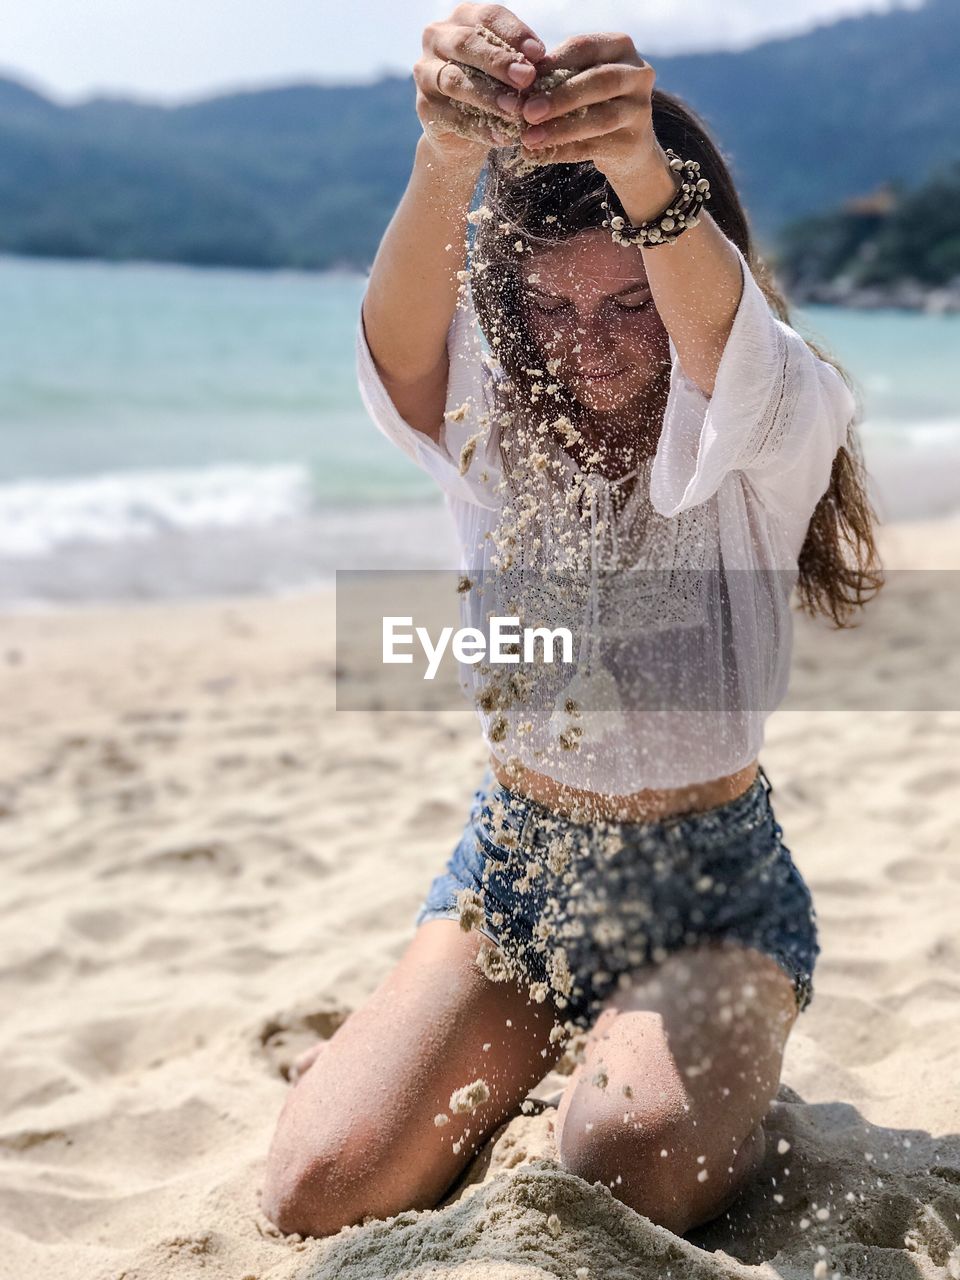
615,84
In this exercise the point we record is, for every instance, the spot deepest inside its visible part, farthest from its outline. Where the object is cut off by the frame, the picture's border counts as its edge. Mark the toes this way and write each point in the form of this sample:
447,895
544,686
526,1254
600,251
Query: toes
306,1061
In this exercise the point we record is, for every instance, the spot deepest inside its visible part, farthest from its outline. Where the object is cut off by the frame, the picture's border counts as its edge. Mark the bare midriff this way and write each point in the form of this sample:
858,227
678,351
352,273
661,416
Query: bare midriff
639,806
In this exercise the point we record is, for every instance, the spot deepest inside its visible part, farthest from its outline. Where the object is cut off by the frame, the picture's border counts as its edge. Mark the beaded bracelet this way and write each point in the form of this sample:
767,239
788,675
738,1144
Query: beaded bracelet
682,212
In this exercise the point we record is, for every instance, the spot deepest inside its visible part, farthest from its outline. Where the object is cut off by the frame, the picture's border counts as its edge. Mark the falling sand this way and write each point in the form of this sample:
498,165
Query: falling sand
823,1214
139,1139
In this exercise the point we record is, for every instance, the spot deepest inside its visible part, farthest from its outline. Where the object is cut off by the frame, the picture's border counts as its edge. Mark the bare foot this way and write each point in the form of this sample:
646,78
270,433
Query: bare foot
306,1060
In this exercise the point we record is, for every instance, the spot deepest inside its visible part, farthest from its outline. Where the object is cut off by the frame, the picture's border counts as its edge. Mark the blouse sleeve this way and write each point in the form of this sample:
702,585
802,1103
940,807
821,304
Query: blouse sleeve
465,463
778,413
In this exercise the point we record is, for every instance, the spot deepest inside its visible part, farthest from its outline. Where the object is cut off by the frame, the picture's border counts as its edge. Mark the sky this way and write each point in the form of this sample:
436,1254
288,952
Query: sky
175,50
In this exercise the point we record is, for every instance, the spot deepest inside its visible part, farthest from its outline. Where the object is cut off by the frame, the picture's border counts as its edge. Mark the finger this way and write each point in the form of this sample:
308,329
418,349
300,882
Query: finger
590,123
583,51
504,25
566,153
461,83
447,117
595,84
469,45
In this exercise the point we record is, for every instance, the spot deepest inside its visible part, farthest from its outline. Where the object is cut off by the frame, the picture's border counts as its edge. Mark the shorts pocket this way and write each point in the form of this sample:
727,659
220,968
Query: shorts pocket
493,851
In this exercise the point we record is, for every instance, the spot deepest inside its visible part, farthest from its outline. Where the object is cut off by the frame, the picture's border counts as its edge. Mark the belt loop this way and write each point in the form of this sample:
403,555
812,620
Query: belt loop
768,785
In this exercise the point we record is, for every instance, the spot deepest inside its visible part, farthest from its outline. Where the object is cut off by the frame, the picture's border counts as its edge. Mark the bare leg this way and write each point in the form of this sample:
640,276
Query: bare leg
666,1107
357,1134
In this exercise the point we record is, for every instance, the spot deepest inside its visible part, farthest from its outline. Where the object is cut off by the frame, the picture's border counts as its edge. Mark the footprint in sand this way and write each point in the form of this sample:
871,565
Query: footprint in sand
104,925
912,871
857,1033
842,888
205,855
934,782
429,813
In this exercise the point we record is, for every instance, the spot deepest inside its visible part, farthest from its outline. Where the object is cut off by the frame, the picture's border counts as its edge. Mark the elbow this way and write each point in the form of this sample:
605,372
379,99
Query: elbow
847,411
836,404
708,369
403,368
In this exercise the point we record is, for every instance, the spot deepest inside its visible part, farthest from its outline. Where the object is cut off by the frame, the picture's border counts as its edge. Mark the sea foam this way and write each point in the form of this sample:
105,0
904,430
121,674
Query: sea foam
40,516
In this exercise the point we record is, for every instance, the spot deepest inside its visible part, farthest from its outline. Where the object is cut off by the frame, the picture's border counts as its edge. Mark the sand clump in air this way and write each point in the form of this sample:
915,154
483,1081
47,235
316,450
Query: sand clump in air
469,1096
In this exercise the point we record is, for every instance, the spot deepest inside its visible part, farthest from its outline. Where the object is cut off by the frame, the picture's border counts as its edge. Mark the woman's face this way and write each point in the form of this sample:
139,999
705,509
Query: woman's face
588,304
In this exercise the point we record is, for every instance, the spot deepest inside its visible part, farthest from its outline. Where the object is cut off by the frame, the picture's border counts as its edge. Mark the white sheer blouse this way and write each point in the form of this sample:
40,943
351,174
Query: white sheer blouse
683,615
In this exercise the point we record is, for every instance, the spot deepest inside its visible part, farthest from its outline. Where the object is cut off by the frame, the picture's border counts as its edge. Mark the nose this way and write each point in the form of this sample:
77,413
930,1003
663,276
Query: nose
597,348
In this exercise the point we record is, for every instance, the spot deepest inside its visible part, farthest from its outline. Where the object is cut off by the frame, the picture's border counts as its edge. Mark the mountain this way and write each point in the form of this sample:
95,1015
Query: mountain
868,251
308,176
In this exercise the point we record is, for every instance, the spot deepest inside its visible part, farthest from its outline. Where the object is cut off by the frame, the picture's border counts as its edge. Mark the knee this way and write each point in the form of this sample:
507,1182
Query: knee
312,1184
629,1162
315,1183
654,1168
300,1196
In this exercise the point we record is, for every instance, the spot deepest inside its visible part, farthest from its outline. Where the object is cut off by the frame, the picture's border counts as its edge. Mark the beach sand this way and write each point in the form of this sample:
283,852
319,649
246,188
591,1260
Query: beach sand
206,868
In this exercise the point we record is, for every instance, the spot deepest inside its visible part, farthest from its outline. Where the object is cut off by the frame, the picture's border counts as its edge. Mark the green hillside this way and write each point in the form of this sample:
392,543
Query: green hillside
893,244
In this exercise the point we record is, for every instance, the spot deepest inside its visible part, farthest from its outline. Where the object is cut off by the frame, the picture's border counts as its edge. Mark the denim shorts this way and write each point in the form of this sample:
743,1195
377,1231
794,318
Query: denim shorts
616,897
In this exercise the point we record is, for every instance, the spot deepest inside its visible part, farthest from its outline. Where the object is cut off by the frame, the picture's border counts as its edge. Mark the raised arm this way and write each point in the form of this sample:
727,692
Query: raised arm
697,282
412,291
747,393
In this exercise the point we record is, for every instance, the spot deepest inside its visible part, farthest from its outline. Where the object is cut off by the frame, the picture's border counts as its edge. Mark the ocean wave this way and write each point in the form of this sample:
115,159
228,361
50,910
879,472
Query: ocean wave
913,435
39,516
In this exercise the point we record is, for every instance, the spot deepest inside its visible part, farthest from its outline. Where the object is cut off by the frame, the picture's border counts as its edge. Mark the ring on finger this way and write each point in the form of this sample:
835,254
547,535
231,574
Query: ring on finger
444,63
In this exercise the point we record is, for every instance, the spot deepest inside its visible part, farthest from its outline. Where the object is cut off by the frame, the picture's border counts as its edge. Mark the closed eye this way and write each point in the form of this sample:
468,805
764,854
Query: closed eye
548,311
557,305
635,306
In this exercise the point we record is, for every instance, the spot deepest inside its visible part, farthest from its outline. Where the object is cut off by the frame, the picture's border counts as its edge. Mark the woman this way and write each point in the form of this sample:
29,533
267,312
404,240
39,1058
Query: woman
631,438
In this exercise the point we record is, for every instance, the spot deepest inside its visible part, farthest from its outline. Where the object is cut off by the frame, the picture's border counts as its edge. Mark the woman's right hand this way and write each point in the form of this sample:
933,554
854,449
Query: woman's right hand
461,38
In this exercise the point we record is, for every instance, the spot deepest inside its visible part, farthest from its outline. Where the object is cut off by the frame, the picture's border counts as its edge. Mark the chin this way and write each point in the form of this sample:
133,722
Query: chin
598,406
604,400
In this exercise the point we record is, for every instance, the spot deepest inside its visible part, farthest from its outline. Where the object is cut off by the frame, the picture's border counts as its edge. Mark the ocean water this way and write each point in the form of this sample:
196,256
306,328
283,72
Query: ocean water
176,431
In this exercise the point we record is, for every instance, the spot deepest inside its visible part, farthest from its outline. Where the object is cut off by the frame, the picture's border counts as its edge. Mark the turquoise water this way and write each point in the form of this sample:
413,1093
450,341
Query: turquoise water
109,368
138,401
907,364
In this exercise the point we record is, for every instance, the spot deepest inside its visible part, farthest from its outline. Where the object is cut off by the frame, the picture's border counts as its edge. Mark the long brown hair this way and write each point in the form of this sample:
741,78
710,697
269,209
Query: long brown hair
839,567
